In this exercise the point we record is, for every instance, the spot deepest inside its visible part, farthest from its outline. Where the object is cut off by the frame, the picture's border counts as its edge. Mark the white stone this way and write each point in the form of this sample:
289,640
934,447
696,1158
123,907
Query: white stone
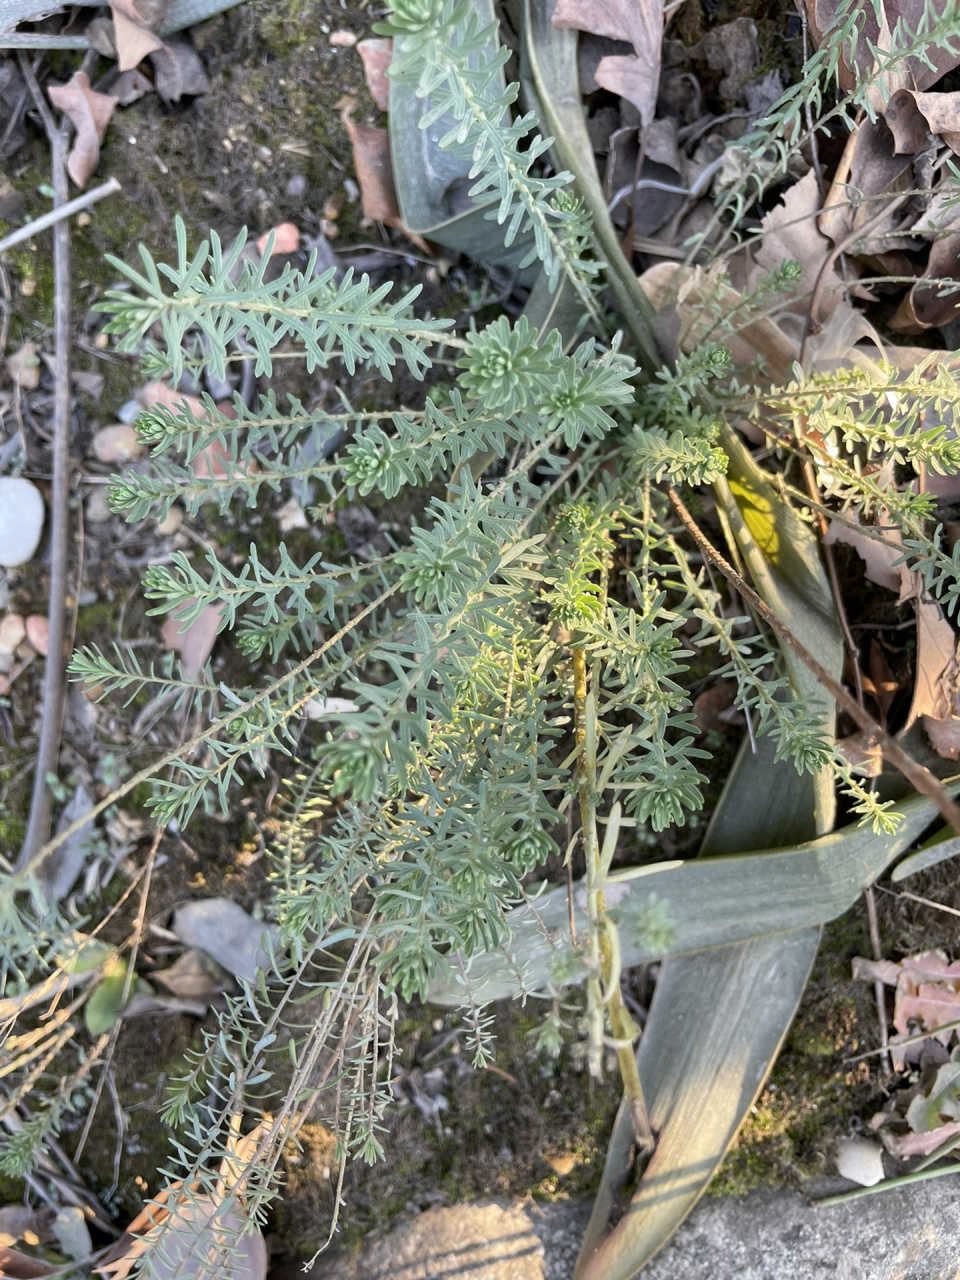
119,443
21,520
860,1160
13,631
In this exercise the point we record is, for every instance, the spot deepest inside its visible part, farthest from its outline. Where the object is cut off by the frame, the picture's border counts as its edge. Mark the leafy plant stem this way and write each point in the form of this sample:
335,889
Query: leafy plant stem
173,756
603,983
888,1184
919,777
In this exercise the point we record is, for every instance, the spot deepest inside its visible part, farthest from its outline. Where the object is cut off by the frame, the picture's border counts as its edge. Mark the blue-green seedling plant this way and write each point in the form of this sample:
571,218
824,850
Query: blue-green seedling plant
517,667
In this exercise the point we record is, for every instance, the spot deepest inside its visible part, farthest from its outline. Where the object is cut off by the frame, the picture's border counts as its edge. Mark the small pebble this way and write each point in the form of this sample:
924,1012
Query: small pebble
297,186
860,1160
96,509
171,522
28,287
21,520
286,239
12,632
119,443
129,411
38,633
343,39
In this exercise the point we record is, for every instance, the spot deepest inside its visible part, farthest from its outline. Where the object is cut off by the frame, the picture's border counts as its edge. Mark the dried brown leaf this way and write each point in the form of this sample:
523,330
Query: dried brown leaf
870,168
791,232
377,54
912,116
130,87
877,556
638,22
672,288
193,976
90,113
178,71
931,305
936,663
904,1145
709,705
132,34
374,170
862,753
190,1239
944,736
730,48
20,1266
24,367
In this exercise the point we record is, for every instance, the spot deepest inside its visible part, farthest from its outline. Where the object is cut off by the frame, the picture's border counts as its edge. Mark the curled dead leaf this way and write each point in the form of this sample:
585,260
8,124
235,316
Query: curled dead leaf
791,233
133,36
374,169
90,113
913,116
878,556
636,76
944,736
927,995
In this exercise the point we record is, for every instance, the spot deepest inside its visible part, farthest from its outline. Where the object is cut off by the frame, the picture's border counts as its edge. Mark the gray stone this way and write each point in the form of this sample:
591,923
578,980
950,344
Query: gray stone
481,1241
910,1234
21,520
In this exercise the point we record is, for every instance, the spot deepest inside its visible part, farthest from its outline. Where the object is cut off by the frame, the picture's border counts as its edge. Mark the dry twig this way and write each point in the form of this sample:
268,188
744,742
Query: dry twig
48,750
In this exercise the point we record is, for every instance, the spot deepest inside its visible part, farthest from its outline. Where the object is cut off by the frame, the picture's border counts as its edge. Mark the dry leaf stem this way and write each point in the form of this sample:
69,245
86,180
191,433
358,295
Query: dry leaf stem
48,749
920,778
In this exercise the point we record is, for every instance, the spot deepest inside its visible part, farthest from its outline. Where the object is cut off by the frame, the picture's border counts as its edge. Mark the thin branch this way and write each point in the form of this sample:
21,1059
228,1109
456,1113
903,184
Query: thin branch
920,778
58,213
48,750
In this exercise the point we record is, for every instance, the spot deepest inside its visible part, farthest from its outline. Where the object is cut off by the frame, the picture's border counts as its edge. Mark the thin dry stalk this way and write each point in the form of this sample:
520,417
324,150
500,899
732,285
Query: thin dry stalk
48,750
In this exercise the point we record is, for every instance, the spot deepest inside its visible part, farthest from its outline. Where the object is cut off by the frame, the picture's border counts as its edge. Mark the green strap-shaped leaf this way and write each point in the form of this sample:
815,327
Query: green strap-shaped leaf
719,1017
712,901
551,81
432,183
